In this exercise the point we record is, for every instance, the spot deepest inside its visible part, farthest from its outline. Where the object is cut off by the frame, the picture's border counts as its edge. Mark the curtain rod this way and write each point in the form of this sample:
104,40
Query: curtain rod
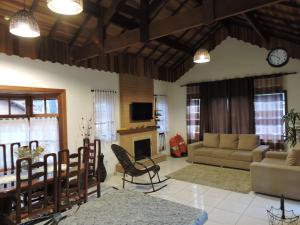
253,76
93,90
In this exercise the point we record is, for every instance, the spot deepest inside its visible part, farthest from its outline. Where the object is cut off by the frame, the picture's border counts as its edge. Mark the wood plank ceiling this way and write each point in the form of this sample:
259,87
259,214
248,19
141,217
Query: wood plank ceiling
155,38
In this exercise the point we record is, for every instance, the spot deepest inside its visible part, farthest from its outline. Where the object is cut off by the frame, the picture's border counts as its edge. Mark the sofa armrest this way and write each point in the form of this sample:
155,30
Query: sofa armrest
191,148
259,153
276,155
195,145
276,179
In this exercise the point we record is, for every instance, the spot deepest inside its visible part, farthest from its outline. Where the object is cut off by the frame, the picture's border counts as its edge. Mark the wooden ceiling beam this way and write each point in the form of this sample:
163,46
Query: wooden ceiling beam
144,20
34,5
175,44
79,31
108,13
193,18
253,23
54,27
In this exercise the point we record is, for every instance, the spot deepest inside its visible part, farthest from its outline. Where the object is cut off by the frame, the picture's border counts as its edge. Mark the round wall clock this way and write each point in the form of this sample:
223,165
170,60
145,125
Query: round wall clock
278,57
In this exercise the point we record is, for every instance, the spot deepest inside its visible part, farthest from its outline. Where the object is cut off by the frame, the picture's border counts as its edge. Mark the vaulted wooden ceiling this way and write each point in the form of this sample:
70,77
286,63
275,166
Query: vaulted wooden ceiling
155,38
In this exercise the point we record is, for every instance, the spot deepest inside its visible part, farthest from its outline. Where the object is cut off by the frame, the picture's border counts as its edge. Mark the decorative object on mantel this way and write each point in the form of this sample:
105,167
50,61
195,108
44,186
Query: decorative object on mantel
282,216
65,7
23,24
201,56
292,127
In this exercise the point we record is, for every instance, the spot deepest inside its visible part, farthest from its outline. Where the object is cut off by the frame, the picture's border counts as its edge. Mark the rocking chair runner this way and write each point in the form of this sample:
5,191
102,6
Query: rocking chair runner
129,166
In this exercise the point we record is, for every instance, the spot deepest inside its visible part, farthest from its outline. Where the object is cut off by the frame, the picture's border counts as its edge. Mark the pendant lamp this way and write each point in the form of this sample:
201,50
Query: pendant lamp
65,7
201,56
23,24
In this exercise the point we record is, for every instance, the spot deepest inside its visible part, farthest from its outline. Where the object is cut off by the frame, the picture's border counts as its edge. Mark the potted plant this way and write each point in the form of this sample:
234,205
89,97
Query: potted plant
292,128
26,152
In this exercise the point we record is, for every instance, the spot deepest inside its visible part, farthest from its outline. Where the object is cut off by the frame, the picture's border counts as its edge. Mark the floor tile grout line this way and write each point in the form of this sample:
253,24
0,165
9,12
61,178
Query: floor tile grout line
242,214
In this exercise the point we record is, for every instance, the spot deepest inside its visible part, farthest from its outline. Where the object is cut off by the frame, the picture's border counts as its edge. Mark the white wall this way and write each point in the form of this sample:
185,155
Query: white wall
231,59
78,83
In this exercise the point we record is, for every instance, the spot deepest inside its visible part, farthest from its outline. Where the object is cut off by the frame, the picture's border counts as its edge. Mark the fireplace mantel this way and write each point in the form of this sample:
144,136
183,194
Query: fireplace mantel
137,130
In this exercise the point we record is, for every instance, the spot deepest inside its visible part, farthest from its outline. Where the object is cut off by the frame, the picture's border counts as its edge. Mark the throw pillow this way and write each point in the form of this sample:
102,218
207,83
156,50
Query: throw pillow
293,158
211,140
229,141
248,141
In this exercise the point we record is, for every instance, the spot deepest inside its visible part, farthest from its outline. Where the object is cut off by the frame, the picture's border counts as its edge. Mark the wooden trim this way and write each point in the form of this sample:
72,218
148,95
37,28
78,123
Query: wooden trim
60,94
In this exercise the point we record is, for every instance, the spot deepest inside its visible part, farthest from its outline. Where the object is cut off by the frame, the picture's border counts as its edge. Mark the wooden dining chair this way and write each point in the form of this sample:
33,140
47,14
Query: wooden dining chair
13,147
72,178
34,199
3,149
33,144
95,168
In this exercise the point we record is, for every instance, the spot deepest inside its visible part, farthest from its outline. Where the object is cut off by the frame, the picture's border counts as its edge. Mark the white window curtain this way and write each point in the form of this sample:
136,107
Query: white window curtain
11,131
105,125
46,131
163,111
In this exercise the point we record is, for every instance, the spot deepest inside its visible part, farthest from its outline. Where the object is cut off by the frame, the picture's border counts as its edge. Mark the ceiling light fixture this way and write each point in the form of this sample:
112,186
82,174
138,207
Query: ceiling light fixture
65,7
201,56
23,24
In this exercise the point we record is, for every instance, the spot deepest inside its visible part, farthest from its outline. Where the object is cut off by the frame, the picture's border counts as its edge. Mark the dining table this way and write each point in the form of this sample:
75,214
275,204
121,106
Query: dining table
8,185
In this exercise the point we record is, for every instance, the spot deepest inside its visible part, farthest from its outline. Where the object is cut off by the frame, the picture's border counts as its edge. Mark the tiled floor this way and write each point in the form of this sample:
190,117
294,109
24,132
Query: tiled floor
223,207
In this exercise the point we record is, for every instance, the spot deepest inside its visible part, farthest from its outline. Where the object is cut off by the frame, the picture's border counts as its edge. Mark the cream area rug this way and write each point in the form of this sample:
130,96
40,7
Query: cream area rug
224,178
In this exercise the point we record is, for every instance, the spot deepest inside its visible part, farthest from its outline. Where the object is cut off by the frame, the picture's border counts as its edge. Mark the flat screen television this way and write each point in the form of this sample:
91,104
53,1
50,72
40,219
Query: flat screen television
141,111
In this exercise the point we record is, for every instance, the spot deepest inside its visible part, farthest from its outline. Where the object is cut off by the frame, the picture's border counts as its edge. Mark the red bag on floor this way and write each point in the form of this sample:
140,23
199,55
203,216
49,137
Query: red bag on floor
178,147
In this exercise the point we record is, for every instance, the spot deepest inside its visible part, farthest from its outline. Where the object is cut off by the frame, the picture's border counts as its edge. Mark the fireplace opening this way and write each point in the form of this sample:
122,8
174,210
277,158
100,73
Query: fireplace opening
142,149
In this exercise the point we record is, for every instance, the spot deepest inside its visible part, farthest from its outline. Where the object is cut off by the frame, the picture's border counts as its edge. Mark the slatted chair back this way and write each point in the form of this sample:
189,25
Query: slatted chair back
3,149
33,199
94,154
33,144
72,178
124,159
95,158
13,147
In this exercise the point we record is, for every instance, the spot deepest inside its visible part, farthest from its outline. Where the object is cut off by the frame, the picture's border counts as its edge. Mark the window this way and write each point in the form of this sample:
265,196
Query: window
105,108
24,118
269,110
162,113
193,120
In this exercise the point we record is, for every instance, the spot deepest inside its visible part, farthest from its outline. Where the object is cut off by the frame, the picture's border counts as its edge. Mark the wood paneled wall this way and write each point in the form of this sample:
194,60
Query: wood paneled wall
134,89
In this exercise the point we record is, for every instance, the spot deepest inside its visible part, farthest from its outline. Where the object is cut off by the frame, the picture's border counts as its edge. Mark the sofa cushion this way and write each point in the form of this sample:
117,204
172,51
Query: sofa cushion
274,161
248,142
293,157
245,156
204,151
221,153
211,140
228,141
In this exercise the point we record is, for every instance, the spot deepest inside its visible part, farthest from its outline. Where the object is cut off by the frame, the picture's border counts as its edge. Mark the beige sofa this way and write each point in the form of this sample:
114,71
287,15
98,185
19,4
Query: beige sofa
276,176
228,150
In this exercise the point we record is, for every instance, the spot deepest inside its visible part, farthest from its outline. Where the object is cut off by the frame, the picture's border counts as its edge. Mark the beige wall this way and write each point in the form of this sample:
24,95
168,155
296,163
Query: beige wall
231,59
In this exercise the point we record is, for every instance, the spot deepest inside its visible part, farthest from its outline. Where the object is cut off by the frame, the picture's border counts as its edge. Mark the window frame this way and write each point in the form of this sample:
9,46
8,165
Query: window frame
285,94
30,93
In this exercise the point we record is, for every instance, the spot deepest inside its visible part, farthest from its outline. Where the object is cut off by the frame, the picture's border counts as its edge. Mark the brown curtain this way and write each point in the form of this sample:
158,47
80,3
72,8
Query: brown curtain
225,107
241,104
193,114
270,106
